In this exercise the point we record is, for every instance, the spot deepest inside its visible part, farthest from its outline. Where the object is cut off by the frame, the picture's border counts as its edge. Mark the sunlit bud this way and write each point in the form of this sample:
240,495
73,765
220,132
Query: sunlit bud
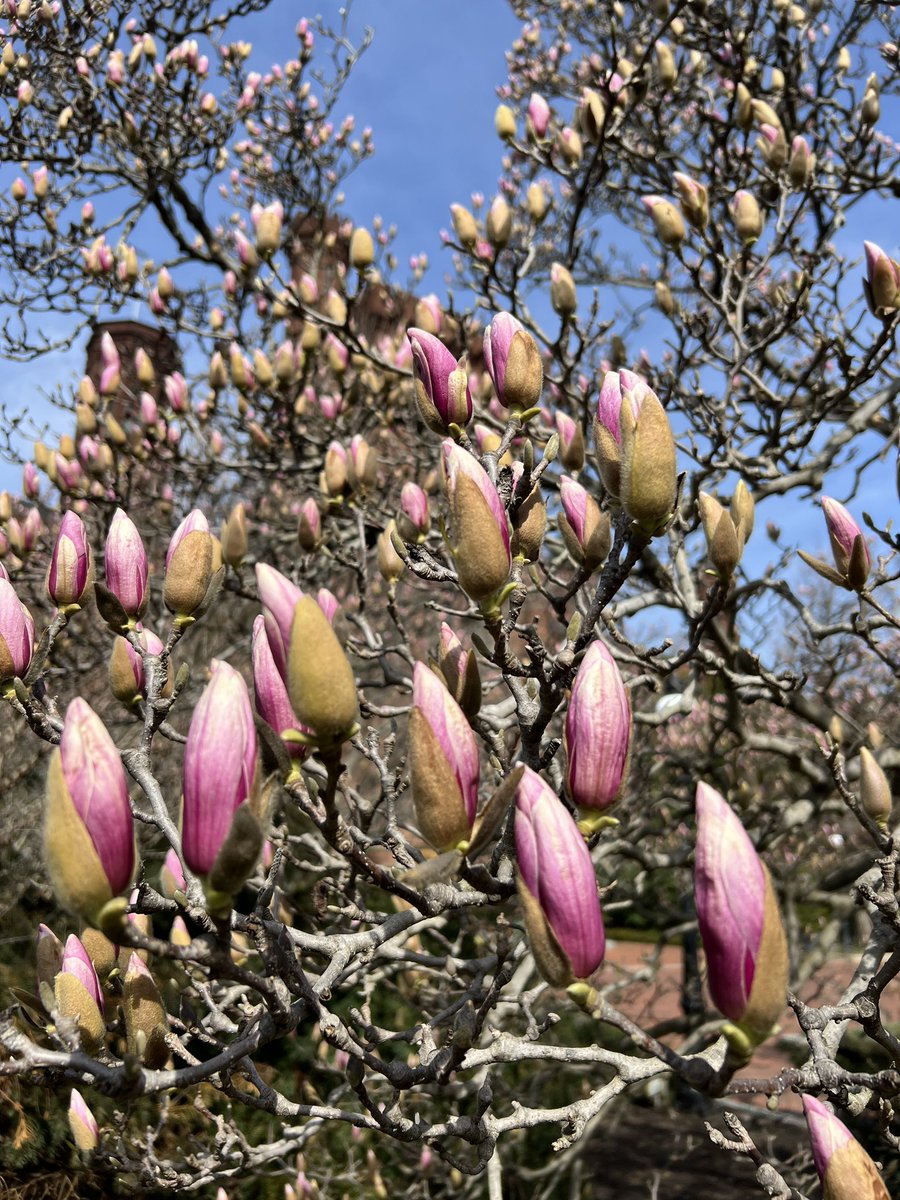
428,315
441,385
585,529
870,109
635,449
145,1017
268,229
125,565
25,93
667,220
362,464
844,1168
741,927
143,367
772,145
336,307
748,218
505,122
126,672
190,565
219,769
743,107
464,225
278,596
557,885
529,519
499,223
742,511
390,565
852,561
110,377
571,442
48,955
17,634
513,362
176,389
40,181
844,62
246,252
362,248
443,763
337,353
563,295
88,830
272,701
82,1124
31,483
724,543
320,679
591,116
694,200
874,789
149,410
479,526
569,145
87,393
802,162
71,575
19,189
234,536
882,282
336,474
538,116
538,202
666,71
309,532
218,372
77,993
414,518
598,731
164,284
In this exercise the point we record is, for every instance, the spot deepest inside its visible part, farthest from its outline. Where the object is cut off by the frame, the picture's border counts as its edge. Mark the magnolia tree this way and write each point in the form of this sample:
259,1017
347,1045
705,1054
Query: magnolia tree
334,803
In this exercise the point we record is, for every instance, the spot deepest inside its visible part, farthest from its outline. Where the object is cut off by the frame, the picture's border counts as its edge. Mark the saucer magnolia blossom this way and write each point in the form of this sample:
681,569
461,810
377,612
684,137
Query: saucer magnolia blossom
513,362
479,527
598,731
852,561
557,885
743,935
442,386
443,763
844,1168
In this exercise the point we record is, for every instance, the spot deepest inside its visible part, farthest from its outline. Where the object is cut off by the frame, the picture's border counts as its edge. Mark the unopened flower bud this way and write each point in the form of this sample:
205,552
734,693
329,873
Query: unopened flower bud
499,223
505,122
874,789
234,536
71,573
390,565
319,676
584,528
190,565
480,529
844,1168
598,731
724,545
513,362
362,249
748,217
443,763
563,295
667,220
464,224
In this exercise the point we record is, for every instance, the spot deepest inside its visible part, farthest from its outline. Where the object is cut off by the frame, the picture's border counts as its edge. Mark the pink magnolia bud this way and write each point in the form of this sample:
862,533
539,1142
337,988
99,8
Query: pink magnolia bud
309,531
557,885
414,519
272,701
328,603
82,1124
443,763
194,522
442,387
480,529
125,565
852,561
31,481
667,220
171,876
743,936
459,669
88,831
845,1169
538,115
571,442
219,766
278,597
598,731
16,634
513,362
177,392
585,529
77,962
882,282
71,574
149,409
